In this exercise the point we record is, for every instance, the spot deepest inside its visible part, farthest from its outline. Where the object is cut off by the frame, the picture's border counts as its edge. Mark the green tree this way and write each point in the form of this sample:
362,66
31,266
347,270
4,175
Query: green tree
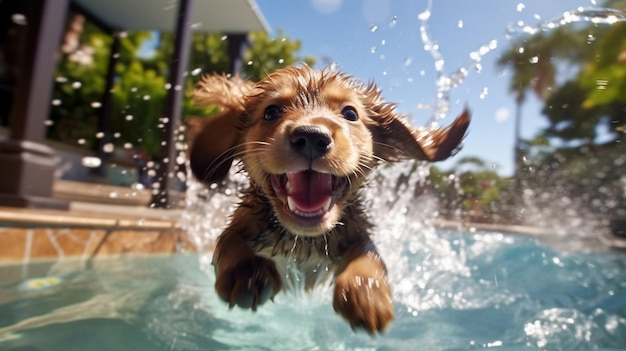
140,83
79,84
471,186
266,55
581,153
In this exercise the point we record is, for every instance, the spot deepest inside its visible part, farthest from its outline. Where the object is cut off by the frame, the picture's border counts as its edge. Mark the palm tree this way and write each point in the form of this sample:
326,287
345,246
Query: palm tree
533,61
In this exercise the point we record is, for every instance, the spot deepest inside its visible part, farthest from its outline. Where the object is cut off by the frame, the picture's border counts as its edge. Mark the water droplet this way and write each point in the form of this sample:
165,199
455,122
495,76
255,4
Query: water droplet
484,92
394,20
117,135
128,146
250,63
96,104
108,148
56,102
224,37
48,122
77,85
439,64
373,28
520,7
196,71
424,16
281,61
373,49
81,141
460,24
146,97
601,84
61,80
168,86
91,162
19,19
534,59
113,195
129,117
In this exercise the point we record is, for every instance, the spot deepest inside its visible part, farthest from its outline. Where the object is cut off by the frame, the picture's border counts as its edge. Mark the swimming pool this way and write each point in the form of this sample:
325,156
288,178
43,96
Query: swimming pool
456,291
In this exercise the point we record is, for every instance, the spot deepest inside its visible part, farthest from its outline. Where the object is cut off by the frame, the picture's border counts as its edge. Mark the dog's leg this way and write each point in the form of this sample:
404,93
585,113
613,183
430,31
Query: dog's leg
362,295
243,278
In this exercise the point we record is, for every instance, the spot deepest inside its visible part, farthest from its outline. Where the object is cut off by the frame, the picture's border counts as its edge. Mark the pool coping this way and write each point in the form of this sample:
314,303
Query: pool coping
91,215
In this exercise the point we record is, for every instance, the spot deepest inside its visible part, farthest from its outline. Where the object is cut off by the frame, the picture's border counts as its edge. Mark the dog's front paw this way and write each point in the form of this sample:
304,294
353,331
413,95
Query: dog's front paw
363,302
248,283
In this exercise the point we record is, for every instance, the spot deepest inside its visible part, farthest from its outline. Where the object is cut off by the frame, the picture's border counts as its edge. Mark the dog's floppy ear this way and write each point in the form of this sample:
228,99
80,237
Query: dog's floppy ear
395,139
215,140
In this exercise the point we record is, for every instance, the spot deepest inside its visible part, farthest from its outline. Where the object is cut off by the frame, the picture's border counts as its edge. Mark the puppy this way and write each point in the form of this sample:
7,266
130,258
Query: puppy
307,140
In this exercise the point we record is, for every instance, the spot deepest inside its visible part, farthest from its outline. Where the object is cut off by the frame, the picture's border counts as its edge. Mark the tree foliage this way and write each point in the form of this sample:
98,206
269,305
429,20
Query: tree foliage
140,84
471,185
579,71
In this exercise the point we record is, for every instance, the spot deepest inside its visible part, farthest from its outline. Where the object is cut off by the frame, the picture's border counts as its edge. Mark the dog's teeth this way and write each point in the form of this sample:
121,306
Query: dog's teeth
327,204
291,204
294,208
288,187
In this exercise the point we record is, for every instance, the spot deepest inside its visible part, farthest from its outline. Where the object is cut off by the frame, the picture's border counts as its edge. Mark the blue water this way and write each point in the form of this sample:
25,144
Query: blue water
485,290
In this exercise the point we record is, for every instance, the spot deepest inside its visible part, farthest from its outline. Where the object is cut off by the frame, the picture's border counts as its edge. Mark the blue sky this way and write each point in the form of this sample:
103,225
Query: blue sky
379,40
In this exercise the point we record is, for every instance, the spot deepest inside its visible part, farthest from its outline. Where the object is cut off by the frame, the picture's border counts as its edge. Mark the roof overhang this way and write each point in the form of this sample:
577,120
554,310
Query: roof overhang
224,16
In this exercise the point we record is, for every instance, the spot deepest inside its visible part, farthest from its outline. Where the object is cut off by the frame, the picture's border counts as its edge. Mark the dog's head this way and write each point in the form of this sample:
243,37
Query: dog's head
307,140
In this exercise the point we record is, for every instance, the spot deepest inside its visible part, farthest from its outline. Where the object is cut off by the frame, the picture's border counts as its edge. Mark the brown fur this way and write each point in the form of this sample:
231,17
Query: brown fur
311,137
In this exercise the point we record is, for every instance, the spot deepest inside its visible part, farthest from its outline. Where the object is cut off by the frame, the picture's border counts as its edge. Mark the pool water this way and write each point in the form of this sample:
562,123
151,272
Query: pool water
458,291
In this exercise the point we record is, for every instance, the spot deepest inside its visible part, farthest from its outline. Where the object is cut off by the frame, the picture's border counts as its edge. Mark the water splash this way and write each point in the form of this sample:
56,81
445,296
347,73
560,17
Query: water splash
444,83
580,15
430,271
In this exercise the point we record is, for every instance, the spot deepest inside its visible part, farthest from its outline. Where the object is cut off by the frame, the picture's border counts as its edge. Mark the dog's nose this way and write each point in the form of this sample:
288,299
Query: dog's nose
311,141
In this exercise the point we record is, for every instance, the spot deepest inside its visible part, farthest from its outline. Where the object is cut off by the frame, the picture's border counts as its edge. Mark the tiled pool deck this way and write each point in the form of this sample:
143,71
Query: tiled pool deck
88,230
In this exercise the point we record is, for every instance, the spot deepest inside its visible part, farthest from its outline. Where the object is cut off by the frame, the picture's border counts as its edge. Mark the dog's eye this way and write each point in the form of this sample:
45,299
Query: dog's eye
272,112
350,114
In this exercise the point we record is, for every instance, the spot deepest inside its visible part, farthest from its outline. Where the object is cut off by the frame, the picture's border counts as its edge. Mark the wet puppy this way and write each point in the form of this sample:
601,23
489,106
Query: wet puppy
307,140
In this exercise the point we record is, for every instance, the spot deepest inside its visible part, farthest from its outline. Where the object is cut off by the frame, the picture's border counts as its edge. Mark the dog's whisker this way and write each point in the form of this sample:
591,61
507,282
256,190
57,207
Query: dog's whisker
223,159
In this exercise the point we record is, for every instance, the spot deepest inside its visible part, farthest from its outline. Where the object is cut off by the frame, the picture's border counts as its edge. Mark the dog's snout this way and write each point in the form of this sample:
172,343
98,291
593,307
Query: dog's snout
311,141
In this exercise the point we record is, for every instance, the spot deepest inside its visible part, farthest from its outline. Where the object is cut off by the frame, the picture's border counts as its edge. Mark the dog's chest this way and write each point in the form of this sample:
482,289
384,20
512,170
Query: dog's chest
298,275
301,262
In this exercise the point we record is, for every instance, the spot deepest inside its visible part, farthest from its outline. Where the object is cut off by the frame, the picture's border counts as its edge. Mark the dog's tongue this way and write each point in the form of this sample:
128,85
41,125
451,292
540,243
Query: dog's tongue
309,191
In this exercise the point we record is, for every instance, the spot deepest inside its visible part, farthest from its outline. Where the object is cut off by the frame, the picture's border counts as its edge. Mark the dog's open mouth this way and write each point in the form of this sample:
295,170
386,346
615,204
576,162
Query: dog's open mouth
308,195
